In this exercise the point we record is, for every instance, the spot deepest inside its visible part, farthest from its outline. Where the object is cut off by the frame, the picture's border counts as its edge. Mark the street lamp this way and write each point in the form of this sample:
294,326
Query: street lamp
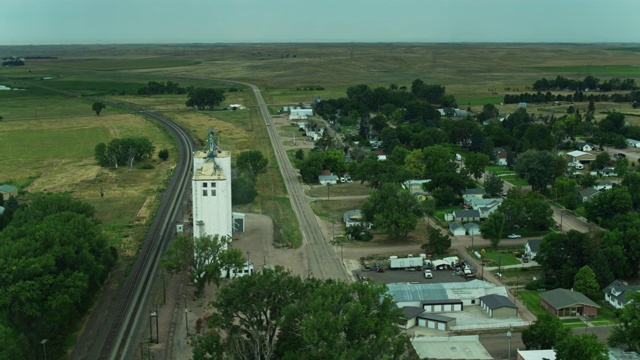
44,347
151,316
509,336
186,322
499,263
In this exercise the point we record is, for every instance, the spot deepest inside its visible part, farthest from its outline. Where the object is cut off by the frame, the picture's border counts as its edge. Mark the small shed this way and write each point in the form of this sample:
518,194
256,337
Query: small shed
8,191
457,229
498,306
435,321
328,179
238,222
472,228
410,314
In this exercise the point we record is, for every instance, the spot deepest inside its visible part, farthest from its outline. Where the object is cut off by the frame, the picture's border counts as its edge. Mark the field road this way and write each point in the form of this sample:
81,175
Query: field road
322,260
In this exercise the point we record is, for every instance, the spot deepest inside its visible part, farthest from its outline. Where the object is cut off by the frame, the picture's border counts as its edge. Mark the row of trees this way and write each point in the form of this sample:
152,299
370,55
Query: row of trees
159,88
123,151
54,259
589,82
204,98
578,96
276,315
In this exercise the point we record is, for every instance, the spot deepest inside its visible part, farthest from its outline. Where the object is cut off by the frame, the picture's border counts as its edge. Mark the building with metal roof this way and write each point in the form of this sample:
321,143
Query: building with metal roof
468,292
568,303
498,306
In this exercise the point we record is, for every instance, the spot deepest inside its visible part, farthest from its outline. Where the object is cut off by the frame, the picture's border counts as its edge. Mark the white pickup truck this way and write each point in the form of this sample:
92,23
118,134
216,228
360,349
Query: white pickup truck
428,274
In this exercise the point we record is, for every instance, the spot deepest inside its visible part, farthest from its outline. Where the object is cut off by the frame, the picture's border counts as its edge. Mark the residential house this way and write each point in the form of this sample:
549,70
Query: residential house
616,293
355,217
328,179
457,229
472,228
498,306
485,206
608,172
380,154
466,215
583,146
568,303
8,191
581,157
535,354
603,185
415,187
501,157
467,194
300,114
633,143
587,194
532,247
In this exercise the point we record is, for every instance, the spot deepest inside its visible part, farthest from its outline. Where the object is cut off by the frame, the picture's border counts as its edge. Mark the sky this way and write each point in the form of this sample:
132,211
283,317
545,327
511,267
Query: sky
40,22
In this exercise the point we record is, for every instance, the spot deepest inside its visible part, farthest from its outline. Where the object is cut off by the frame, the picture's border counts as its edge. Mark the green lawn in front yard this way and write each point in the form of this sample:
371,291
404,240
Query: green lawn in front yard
532,300
606,314
439,212
506,174
502,257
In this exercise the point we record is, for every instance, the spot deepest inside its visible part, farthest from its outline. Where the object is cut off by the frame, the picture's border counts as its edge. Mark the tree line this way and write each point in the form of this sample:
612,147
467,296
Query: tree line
123,151
54,260
159,88
578,96
589,82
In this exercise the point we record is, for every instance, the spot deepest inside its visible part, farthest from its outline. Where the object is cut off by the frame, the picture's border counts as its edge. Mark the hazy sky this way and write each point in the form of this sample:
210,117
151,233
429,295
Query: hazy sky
231,21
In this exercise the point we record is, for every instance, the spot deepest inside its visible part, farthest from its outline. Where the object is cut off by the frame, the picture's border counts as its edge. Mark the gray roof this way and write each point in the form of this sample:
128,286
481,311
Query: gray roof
477,191
454,226
588,192
603,182
8,188
562,298
534,244
411,311
471,225
436,317
496,301
433,291
327,177
466,213
438,302
618,289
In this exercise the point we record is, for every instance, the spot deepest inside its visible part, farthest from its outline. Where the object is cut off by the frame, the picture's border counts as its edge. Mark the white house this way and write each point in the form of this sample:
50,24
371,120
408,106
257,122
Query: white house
328,179
616,293
633,143
354,217
299,114
603,185
583,146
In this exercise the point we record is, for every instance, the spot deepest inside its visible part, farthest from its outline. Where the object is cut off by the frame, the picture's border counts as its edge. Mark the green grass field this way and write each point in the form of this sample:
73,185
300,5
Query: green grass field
333,210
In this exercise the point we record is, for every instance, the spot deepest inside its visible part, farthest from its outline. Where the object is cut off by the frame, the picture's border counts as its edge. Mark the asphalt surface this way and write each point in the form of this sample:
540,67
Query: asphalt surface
322,260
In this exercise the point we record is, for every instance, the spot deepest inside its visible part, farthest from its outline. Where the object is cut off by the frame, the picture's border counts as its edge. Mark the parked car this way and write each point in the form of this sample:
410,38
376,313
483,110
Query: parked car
514,236
349,179
428,274
619,155
342,179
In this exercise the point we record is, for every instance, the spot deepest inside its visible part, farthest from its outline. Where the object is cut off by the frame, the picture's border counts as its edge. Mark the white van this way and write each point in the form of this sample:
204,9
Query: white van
428,274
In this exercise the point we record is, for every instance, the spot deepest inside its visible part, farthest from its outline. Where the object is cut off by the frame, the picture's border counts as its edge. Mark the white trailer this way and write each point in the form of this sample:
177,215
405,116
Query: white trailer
403,263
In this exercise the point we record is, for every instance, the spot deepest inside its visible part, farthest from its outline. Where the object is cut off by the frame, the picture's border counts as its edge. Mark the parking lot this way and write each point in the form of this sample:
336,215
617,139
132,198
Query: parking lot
404,276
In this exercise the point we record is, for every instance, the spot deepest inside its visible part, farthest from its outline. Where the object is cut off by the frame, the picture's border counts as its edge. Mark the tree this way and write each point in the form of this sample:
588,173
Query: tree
621,166
627,332
602,160
97,107
545,333
123,150
63,258
585,282
493,184
392,209
602,208
273,314
493,228
437,242
203,259
163,154
252,162
534,166
475,164
202,98
243,190
583,346
561,255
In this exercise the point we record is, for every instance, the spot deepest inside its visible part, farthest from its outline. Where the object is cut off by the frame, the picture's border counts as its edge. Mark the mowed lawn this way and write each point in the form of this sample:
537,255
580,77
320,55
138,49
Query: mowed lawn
507,175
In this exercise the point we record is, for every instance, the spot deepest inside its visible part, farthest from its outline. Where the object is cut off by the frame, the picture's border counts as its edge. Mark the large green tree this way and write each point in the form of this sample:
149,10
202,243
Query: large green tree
97,107
475,164
273,314
539,168
437,242
583,346
604,207
252,162
545,333
203,260
585,282
392,209
493,184
123,151
493,228
203,98
54,259
627,332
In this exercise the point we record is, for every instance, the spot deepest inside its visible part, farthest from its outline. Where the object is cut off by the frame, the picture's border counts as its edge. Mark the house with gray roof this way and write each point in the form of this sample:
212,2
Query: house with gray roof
568,303
616,293
328,179
603,185
498,306
466,215
8,191
485,206
355,217
587,194
532,247
457,229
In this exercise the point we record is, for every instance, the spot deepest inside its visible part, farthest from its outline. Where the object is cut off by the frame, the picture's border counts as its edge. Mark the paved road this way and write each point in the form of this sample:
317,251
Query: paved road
322,260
